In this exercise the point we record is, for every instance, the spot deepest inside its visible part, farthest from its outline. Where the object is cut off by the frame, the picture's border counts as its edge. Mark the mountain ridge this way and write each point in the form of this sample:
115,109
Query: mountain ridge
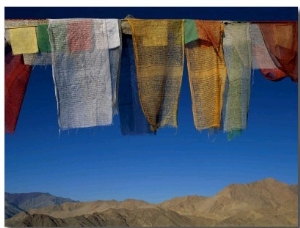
258,203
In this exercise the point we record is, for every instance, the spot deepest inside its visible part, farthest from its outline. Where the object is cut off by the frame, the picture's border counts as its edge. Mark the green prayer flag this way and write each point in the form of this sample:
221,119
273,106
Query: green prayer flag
43,38
190,31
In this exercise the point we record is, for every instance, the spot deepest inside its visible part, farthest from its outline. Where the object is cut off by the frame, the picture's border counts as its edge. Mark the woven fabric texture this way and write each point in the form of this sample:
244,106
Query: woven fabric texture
16,23
16,79
237,53
261,58
81,72
23,40
132,118
113,32
207,74
190,31
158,48
38,59
282,42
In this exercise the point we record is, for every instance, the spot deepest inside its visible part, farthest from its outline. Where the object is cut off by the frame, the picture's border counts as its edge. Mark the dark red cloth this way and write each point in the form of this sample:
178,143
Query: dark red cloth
16,80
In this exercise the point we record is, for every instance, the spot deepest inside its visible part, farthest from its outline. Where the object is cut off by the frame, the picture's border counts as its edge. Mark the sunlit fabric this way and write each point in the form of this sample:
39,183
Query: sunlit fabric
16,80
81,72
23,40
237,54
207,74
132,118
190,31
282,42
261,58
158,48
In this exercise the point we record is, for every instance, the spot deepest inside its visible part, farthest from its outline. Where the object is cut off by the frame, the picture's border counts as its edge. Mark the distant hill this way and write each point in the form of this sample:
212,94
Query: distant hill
111,217
79,208
17,202
11,210
263,203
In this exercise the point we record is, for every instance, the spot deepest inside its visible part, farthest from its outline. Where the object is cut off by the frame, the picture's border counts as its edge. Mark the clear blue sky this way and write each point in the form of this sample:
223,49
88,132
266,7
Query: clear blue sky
100,163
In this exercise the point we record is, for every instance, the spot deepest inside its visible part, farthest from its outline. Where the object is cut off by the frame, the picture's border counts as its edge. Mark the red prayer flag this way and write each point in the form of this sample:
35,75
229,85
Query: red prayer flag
16,80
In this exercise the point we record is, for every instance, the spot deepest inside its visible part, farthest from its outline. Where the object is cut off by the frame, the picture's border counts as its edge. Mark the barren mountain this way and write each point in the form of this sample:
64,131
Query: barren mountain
16,202
261,218
267,194
263,203
187,205
294,188
71,209
111,217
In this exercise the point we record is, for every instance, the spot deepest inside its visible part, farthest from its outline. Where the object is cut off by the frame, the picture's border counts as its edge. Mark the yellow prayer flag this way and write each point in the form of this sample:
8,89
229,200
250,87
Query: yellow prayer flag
23,40
159,57
207,74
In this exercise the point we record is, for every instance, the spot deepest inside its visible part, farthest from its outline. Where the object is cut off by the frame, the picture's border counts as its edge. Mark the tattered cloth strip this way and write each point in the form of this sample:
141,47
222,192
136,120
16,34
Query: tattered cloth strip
190,31
261,58
115,49
16,80
158,48
81,72
132,118
23,40
207,74
281,39
237,53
